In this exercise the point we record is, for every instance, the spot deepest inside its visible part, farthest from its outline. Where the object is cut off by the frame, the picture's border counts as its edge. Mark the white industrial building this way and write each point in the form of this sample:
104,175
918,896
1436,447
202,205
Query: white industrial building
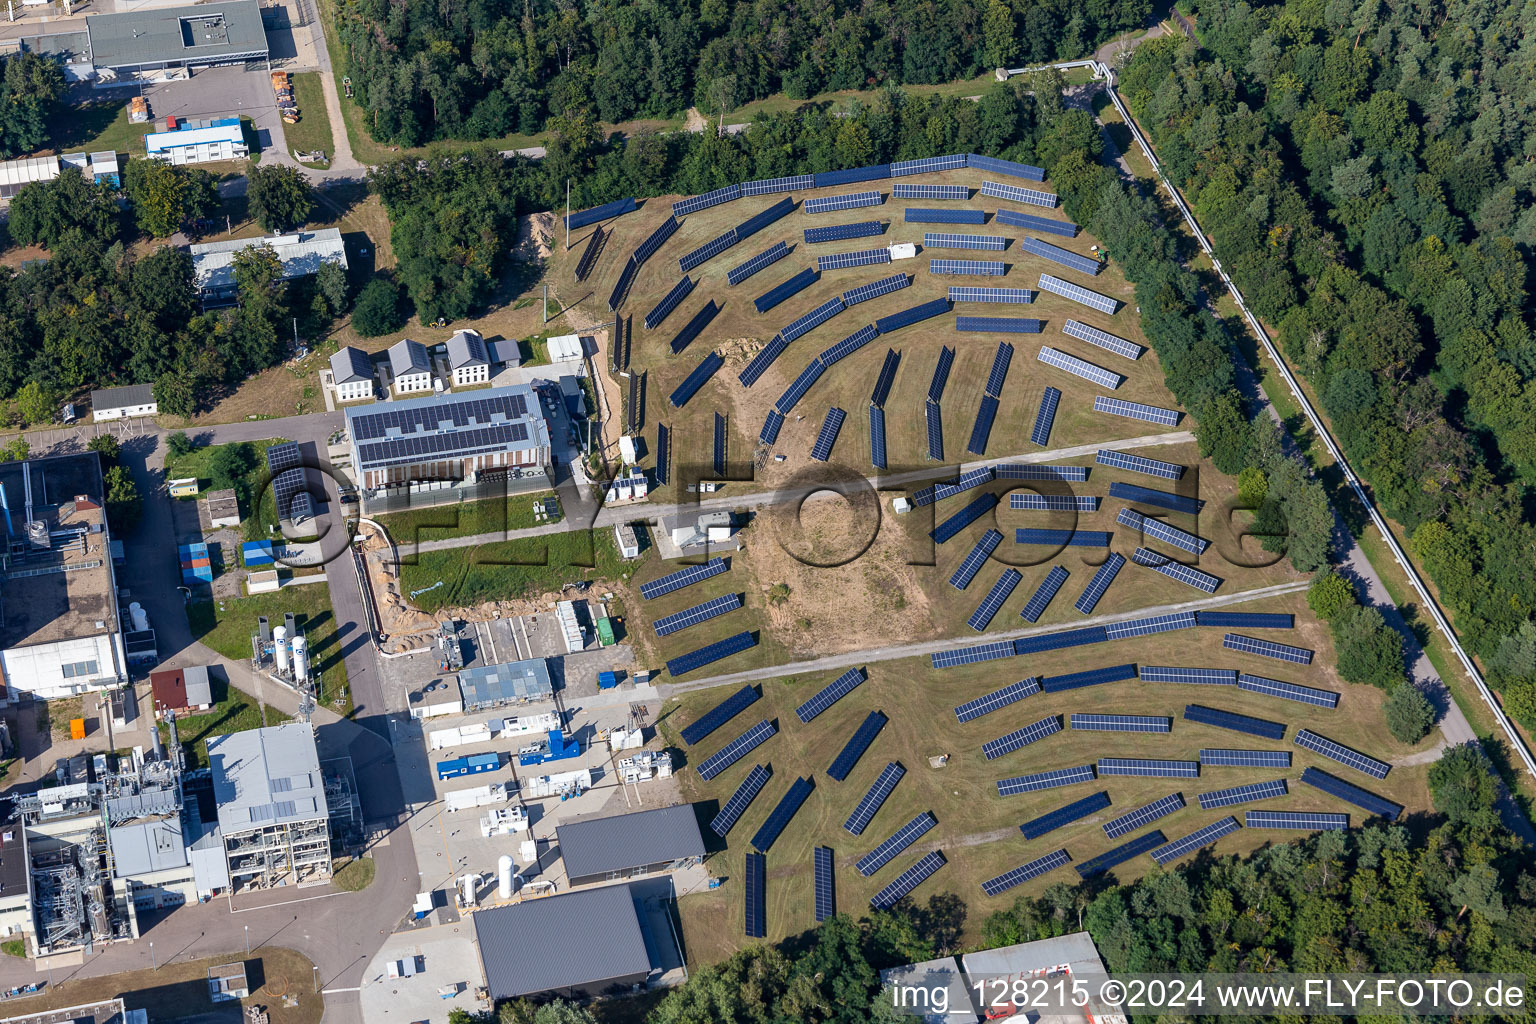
352,374
125,402
218,141
467,359
301,254
565,348
272,805
411,367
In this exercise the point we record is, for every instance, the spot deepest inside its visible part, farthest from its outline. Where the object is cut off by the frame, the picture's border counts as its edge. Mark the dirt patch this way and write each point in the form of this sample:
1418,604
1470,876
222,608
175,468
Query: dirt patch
533,237
695,121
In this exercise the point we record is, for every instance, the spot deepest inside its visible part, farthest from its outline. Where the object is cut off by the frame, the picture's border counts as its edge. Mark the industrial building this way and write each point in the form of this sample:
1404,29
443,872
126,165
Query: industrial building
223,509
109,46
410,366
124,402
221,139
301,254
516,682
352,374
272,807
649,842
101,168
60,630
181,691
467,359
575,945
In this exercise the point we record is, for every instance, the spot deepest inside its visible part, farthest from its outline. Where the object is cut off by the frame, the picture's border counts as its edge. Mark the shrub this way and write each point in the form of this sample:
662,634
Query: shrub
378,309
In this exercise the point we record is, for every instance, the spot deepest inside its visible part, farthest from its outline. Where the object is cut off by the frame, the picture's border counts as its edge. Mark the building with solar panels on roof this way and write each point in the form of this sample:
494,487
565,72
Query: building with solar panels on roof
651,842
449,448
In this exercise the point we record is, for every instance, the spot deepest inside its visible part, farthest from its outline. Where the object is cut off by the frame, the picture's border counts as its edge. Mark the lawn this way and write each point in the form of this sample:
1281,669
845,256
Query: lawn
227,625
355,875
254,522
96,126
466,519
314,128
511,570
233,711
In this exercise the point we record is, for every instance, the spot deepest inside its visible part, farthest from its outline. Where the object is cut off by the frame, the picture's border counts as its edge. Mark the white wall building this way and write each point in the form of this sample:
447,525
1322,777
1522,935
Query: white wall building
468,360
124,402
352,374
411,367
301,254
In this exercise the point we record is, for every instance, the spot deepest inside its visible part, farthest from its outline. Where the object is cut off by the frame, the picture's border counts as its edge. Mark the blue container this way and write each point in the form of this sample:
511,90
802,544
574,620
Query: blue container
477,763
452,769
607,680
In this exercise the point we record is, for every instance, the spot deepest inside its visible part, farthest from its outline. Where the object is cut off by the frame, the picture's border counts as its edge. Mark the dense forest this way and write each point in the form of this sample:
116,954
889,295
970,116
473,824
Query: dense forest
1368,174
480,69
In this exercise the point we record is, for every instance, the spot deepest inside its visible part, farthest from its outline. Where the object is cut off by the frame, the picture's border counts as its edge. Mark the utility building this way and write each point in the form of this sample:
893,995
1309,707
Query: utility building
516,682
110,46
272,807
651,842
301,254
124,402
576,945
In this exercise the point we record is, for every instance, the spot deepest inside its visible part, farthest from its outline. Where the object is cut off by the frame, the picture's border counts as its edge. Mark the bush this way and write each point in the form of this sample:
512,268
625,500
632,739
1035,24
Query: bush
1409,713
1462,785
179,444
1329,594
229,465
1368,650
378,309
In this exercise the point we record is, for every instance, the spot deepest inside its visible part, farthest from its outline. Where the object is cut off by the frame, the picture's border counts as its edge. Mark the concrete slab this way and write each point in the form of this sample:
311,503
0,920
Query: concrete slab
447,957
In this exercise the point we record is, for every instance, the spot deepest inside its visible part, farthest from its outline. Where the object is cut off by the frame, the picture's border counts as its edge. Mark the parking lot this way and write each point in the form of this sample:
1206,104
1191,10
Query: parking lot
445,957
222,92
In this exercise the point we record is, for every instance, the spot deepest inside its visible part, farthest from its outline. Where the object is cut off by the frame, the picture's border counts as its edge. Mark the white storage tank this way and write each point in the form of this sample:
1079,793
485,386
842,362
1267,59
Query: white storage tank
280,649
300,660
469,886
505,872
136,613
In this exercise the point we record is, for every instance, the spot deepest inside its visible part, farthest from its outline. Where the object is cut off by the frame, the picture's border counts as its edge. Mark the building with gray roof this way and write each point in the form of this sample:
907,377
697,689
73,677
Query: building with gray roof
649,842
271,806
124,402
576,944
301,253
467,359
411,367
204,35
515,682
352,374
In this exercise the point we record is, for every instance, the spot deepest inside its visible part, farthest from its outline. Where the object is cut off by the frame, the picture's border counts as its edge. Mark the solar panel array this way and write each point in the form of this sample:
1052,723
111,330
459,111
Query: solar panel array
981,618
721,439
874,172
1080,367
981,430
663,453
772,424
740,800
975,293
779,817
1046,416
998,324
764,186
908,317
1020,738
1199,676
812,320
875,289
597,213
1063,538
1065,257
1136,411
1342,754
843,232
1028,220
827,437
800,385
928,165
1120,854
646,249
930,192
669,302
854,749
915,215
718,715
972,655
1015,194
737,749
1121,723
899,840
999,371
1245,758
1101,580
285,463
692,329
985,705
1287,691
1077,293
778,293
764,359
857,258
1024,872
1241,794
1149,766
696,203
826,905
682,578
1088,677
962,483
965,517
1195,840
1159,530
710,653
1151,624
1075,811
1103,339
1234,722
869,806
1308,821
589,255
621,286
943,240
984,268
1044,594
851,201
696,380
1056,641
709,250
755,223
756,899
1045,780
668,624
973,562
1250,620
766,258
1138,464
1267,649
1347,791
830,694
1144,815
909,879
887,376
877,437
1163,499
1054,502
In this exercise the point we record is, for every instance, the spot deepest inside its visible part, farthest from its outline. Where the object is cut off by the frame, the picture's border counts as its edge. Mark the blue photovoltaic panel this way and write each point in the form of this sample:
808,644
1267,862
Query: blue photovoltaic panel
826,905
1028,220
1028,172
983,268
1053,502
1043,595
669,302
1024,872
1138,464
1176,571
961,192
943,240
908,317
1077,293
762,361
971,655
1287,691
843,232
902,838
1010,694
740,800
1045,417
822,450
800,386
1074,811
1103,339
849,345
909,879
755,223
663,453
756,896
1063,538
981,618
1235,722
621,287
999,372
1147,766
1144,815
851,201
1079,367
1121,723
1101,580
669,624
874,172
777,294
1363,798
856,745
869,806
812,320
718,715
962,483
857,258
765,186
695,380
877,437
767,258
597,213
711,653
830,694
1245,758
928,165
1056,641
1120,854
1267,649
973,293
887,376
963,518
941,374
1136,411
646,249
779,817
917,215
1090,677
1249,620
1161,499
737,749
975,560
1342,754
1195,840
998,324
1065,257
1241,794
682,578
696,203
700,321
875,289
1045,780
1015,194
981,430
709,250
1149,625
1305,821
1199,676
772,424
1159,530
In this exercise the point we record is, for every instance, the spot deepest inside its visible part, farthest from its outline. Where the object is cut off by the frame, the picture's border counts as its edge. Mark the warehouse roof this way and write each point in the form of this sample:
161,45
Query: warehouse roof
123,397
623,841
200,34
582,939
302,253
266,777
513,682
148,846
439,427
